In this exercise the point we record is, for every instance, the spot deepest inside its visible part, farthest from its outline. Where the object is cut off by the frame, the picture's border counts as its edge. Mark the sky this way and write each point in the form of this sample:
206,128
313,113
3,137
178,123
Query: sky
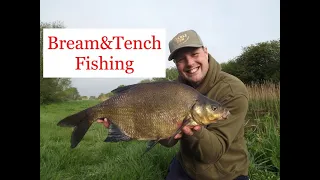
225,26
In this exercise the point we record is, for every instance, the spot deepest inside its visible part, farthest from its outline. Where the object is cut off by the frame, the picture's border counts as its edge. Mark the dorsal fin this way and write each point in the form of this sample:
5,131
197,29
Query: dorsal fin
123,88
128,87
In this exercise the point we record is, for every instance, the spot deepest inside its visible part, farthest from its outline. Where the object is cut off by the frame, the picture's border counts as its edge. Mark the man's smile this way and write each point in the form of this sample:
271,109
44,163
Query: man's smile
192,70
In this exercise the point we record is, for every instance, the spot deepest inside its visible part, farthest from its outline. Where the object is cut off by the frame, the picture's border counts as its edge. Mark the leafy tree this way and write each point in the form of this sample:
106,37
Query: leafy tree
257,63
71,94
92,98
145,81
54,89
171,74
84,98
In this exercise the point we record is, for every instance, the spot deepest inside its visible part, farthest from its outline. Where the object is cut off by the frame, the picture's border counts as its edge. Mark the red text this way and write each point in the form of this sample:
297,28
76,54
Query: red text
102,64
115,42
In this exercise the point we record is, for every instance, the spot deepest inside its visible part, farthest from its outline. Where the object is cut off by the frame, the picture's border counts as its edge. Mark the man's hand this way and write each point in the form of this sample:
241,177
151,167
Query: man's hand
188,130
104,121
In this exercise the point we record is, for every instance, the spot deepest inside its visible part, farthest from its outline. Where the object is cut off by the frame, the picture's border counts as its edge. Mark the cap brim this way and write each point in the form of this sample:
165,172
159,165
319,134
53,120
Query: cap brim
189,45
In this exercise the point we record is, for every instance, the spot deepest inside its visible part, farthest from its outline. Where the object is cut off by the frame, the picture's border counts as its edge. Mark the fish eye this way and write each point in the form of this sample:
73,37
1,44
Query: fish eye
213,107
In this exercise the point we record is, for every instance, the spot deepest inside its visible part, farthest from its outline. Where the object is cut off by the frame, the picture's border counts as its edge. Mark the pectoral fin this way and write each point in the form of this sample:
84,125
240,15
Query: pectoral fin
185,122
150,145
116,135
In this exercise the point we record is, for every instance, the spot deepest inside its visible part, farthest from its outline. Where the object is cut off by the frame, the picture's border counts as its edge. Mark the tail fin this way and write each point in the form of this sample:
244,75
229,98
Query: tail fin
81,123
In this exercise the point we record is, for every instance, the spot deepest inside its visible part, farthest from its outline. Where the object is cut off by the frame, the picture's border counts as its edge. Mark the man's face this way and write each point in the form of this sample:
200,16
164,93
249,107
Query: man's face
192,63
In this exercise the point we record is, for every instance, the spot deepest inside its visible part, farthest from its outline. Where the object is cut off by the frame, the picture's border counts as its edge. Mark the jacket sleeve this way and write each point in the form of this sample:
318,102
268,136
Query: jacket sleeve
214,141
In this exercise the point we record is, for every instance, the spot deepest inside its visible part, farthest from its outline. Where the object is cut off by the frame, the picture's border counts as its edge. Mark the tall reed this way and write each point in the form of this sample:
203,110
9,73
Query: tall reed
263,130
264,99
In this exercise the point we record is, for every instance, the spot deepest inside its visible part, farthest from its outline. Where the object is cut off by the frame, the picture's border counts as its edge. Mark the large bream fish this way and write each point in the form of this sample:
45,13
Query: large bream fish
147,111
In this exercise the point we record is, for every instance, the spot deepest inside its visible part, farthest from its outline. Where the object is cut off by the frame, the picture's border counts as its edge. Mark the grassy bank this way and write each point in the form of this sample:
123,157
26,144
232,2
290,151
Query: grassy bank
263,131
93,159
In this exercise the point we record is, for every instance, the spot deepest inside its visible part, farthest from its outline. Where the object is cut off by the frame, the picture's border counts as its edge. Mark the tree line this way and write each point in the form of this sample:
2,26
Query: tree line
257,63
54,89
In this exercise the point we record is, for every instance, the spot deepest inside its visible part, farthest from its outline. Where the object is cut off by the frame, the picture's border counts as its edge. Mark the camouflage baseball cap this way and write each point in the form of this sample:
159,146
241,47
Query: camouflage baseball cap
183,39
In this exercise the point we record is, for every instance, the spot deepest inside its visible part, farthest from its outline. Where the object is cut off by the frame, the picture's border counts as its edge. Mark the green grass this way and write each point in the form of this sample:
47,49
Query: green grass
263,131
263,140
94,159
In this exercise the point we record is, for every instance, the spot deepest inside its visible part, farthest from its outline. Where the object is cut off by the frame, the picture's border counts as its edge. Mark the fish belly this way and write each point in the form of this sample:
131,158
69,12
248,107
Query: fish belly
149,126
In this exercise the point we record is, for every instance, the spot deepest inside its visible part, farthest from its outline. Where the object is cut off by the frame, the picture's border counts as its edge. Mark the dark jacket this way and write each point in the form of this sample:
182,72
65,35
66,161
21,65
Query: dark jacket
218,151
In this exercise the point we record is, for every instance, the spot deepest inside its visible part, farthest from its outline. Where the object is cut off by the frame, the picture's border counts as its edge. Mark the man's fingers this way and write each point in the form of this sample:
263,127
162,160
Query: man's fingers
197,128
187,130
178,136
104,122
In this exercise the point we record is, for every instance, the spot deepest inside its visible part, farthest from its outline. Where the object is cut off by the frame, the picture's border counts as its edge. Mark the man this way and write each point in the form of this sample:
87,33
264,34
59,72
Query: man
218,151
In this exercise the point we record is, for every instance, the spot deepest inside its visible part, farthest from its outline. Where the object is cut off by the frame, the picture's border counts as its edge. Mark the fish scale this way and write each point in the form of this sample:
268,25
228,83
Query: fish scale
147,111
133,120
